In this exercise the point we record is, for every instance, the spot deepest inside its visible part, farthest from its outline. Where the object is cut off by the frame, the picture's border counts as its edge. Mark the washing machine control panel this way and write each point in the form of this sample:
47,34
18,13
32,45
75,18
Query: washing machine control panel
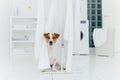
83,21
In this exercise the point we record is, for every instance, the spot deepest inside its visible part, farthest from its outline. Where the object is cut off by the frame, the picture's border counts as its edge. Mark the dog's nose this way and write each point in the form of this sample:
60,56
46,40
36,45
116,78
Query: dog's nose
50,43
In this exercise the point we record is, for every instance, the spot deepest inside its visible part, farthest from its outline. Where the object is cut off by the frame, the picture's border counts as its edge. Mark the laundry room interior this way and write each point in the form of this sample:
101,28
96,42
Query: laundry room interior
80,36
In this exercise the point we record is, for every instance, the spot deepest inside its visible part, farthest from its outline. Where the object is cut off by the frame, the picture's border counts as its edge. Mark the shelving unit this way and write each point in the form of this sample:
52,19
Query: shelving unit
22,34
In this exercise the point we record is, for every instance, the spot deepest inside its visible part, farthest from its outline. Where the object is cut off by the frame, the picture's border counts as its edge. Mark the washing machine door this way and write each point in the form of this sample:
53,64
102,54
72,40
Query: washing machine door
81,35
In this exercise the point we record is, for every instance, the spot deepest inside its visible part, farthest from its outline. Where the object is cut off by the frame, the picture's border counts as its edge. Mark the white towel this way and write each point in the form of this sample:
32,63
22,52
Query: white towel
43,58
40,47
76,29
68,34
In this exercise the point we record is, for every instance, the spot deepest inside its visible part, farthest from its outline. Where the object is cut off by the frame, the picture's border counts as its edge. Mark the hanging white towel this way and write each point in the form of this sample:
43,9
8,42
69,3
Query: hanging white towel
40,47
68,34
43,58
76,29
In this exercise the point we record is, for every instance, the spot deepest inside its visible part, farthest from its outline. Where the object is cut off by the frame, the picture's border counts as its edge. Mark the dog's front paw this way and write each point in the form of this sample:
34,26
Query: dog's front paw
64,68
54,70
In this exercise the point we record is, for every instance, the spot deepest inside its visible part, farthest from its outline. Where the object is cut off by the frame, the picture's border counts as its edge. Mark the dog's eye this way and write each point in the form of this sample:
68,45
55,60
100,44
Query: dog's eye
54,37
48,37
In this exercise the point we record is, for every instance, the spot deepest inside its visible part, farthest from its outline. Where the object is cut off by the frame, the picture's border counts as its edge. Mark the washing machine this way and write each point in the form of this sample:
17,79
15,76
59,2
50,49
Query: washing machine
84,29
84,37
82,43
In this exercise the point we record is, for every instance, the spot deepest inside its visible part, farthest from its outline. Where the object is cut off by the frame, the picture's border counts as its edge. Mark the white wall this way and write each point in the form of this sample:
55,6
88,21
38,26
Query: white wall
117,36
110,19
109,13
22,7
5,8
117,43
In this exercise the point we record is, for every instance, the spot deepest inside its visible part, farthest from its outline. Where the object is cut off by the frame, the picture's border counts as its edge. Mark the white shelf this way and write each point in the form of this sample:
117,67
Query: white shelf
22,41
24,17
21,52
26,29
21,26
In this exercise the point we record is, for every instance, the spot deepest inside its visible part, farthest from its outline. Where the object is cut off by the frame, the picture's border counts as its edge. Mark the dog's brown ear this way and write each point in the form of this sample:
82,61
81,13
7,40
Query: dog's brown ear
56,35
45,34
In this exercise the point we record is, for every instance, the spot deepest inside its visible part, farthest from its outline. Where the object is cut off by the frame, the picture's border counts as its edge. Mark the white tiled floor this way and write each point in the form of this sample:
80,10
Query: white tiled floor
85,67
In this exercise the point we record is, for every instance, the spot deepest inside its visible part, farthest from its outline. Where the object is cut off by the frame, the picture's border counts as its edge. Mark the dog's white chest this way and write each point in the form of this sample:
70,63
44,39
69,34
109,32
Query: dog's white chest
51,54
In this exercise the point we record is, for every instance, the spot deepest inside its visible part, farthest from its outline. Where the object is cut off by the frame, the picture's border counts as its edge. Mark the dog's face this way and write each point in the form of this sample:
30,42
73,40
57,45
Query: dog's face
51,38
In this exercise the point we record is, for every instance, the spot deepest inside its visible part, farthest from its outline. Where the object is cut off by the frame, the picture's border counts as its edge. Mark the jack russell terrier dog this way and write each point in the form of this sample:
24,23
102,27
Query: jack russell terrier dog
51,40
